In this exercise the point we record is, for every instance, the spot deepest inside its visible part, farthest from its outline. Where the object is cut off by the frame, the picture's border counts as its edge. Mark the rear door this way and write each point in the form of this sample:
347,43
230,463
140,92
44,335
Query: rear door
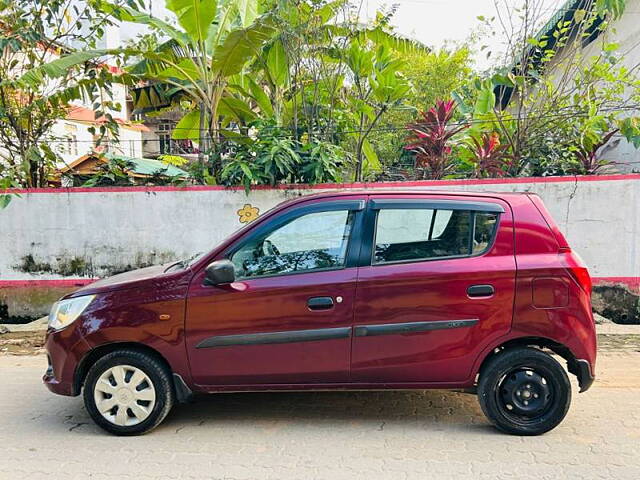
435,286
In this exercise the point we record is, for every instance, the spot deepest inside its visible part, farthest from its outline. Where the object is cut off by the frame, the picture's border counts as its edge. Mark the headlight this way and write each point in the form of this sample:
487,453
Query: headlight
65,312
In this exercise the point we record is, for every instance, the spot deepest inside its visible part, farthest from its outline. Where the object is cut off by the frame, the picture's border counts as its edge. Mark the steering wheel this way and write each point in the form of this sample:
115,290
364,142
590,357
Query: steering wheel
269,248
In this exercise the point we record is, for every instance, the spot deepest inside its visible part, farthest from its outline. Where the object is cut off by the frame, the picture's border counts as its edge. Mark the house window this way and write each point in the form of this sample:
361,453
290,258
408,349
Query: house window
165,130
72,145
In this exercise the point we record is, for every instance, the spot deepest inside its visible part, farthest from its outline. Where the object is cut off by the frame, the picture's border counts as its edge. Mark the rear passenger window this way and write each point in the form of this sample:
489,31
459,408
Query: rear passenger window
485,227
419,234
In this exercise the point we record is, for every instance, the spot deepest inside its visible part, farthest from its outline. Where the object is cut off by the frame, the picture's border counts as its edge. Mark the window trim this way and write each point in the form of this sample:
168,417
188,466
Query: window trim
426,204
353,242
420,204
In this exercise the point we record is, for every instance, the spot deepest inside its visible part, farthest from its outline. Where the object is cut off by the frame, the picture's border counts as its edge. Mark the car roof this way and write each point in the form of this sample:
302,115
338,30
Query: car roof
389,191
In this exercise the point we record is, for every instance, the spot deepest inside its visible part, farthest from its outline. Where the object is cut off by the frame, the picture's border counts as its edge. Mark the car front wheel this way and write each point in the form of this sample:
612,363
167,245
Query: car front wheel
524,391
127,392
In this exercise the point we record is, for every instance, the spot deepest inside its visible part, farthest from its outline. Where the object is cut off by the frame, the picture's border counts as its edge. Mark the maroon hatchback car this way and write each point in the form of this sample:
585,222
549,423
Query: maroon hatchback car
344,290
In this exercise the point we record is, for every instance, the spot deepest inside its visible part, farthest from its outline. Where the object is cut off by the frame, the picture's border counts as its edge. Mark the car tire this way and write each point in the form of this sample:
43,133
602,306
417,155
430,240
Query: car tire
524,391
128,392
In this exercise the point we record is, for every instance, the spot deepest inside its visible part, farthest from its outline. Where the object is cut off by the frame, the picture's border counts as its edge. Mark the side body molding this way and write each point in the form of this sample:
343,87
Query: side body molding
412,327
276,337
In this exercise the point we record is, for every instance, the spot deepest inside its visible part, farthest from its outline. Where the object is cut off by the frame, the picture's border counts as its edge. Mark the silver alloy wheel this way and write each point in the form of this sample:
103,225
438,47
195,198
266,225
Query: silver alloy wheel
124,395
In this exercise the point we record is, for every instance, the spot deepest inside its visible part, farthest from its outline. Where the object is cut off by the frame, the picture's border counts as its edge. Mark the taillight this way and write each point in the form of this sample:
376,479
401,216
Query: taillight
581,275
577,270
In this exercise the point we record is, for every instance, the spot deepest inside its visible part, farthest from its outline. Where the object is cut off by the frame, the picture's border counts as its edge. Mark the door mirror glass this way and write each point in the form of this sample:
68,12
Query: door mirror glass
220,272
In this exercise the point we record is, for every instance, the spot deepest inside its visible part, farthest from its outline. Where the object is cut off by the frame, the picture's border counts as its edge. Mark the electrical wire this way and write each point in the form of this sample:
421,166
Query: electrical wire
388,128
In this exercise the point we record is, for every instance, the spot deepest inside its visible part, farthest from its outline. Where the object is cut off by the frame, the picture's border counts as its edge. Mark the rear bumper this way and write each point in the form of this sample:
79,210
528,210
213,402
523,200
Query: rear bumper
583,372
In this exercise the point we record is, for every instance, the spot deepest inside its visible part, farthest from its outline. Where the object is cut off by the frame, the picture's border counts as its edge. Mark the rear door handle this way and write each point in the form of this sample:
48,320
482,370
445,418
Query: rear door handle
480,290
320,303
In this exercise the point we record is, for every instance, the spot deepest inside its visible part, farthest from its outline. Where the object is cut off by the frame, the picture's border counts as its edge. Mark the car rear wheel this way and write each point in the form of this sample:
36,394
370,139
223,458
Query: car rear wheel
128,392
524,391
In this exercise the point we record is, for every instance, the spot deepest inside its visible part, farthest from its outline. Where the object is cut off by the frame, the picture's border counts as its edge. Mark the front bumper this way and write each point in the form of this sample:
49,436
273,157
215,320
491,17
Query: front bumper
53,384
65,348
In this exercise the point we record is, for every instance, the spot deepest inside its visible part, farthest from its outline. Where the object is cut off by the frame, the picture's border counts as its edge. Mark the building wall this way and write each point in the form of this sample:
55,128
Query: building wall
163,124
54,240
71,140
130,143
81,141
53,234
625,31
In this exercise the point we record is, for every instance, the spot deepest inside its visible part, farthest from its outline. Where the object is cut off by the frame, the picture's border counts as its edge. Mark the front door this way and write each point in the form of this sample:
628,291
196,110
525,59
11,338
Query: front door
435,287
287,319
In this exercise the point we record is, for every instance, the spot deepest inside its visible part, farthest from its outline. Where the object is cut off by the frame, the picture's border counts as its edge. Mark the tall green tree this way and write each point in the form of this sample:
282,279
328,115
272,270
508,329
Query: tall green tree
36,86
433,75
567,90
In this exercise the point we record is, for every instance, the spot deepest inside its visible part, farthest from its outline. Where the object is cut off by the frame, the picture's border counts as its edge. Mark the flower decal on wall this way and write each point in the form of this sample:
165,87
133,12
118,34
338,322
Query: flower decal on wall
248,213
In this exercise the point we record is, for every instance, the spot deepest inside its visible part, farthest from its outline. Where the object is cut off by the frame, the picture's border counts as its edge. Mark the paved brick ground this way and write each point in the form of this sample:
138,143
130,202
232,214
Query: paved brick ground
394,435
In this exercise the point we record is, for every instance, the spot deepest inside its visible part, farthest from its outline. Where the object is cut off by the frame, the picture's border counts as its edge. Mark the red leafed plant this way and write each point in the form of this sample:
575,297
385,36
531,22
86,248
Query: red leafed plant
588,162
431,137
489,157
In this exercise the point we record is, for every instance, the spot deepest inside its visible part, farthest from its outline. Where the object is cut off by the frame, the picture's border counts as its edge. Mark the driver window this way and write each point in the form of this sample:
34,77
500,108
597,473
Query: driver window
316,241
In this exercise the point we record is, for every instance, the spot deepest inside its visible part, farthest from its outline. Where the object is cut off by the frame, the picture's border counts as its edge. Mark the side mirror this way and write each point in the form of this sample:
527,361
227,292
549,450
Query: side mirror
220,272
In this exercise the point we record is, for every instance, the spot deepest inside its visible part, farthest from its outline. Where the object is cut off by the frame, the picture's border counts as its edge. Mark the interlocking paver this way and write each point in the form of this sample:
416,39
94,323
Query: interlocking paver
328,435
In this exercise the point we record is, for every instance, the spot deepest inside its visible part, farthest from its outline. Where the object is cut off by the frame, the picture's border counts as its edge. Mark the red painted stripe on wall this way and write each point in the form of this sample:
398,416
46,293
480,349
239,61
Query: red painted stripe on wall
324,186
633,283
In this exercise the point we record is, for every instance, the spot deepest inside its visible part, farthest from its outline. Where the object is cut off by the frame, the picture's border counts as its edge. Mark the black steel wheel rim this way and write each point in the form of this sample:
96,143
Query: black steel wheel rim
525,394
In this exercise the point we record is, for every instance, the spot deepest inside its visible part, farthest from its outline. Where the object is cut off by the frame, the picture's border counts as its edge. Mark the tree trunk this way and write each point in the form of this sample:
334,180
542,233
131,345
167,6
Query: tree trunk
202,133
358,174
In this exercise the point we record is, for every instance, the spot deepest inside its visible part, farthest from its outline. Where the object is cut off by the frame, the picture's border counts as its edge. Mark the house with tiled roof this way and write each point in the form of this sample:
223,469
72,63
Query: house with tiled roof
74,138
139,170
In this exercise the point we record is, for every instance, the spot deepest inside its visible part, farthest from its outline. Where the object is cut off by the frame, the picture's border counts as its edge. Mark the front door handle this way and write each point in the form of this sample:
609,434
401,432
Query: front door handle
480,290
320,303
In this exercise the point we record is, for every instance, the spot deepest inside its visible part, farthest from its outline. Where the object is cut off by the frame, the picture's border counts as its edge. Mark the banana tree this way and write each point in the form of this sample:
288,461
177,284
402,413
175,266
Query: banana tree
213,42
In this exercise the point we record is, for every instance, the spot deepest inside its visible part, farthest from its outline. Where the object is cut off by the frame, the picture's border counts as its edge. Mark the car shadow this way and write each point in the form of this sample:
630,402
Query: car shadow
435,410
423,407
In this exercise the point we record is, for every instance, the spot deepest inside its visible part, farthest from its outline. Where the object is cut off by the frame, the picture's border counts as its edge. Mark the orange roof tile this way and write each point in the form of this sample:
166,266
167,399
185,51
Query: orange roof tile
83,114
